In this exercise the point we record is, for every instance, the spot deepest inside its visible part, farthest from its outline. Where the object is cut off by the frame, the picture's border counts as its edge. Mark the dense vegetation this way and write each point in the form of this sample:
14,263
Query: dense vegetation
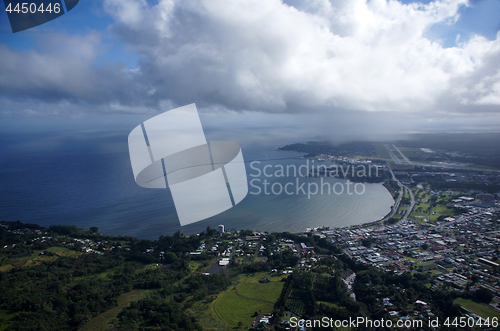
66,287
63,291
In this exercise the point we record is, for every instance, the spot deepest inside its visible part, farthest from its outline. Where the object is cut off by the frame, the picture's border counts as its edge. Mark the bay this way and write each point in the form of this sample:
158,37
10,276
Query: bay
86,180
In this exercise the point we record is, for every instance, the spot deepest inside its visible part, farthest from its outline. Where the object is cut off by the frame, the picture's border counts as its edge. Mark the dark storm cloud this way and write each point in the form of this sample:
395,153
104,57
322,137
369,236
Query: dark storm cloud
356,65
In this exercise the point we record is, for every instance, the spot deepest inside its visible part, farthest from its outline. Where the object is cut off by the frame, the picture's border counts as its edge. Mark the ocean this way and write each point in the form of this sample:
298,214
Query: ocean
85,179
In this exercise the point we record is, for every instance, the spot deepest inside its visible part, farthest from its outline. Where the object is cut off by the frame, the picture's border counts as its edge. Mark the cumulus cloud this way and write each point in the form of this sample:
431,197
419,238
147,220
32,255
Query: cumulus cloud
300,56
63,68
316,56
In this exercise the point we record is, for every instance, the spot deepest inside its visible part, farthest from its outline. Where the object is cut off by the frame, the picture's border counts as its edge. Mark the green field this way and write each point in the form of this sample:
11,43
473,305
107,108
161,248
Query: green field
5,318
441,210
56,250
411,152
478,308
103,320
424,205
381,151
35,258
240,302
206,316
395,166
6,268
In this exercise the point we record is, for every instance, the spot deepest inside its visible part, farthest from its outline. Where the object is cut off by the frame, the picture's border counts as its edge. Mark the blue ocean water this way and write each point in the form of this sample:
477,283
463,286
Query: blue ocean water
85,179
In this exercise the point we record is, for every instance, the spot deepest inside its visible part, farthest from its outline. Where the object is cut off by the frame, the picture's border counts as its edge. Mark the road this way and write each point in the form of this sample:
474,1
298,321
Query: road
401,193
412,204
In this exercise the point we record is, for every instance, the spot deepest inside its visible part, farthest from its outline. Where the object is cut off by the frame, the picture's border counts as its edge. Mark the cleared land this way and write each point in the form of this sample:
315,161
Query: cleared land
5,318
478,308
240,302
103,320
381,151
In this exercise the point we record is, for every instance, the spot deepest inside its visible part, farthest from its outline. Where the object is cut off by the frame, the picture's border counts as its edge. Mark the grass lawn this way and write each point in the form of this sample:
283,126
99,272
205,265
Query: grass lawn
424,207
397,216
5,318
381,151
35,258
410,152
443,210
205,316
56,250
434,217
238,303
103,320
395,166
262,291
6,267
478,308
232,308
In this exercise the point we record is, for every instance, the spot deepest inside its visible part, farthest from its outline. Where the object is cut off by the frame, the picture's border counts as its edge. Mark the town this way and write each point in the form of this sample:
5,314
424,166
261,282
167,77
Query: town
434,256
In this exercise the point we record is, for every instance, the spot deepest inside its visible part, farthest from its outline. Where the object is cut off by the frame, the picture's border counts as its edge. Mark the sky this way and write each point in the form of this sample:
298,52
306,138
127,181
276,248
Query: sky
347,69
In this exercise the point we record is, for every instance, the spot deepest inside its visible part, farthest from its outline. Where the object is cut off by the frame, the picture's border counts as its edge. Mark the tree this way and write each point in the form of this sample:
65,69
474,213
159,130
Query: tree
170,257
475,278
210,231
94,229
392,220
367,242
483,295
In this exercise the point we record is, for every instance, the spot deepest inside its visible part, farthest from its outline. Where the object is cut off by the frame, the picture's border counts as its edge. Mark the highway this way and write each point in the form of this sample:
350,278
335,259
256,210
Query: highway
401,193
412,204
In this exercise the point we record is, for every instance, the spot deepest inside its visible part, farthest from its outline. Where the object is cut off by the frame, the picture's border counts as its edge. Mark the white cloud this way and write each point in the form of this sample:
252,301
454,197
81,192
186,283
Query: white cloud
267,55
321,56
129,12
